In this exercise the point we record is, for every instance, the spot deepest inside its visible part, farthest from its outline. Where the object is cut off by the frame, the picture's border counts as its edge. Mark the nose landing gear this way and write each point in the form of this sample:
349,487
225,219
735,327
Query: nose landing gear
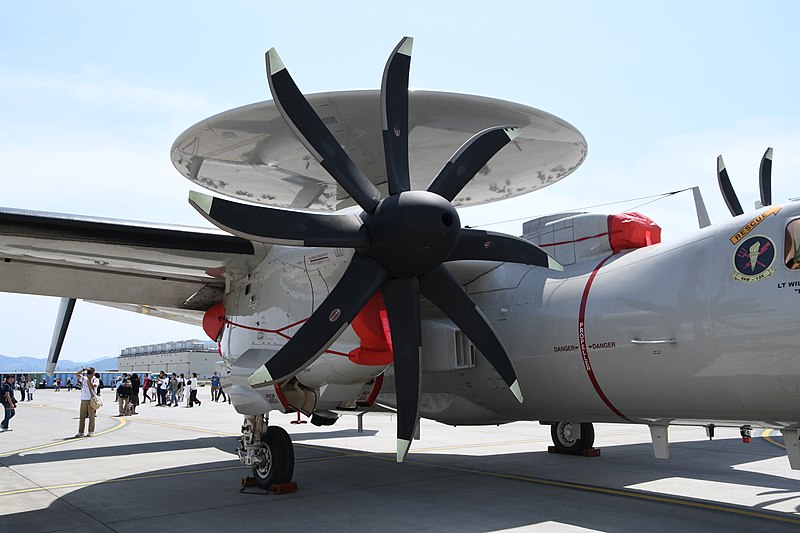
268,450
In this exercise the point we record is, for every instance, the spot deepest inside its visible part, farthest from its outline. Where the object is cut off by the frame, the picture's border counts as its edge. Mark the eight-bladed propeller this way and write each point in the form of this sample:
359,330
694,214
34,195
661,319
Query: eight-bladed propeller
764,184
401,241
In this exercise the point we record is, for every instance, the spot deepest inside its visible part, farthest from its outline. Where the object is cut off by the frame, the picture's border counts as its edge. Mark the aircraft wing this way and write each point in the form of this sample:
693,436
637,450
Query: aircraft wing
133,265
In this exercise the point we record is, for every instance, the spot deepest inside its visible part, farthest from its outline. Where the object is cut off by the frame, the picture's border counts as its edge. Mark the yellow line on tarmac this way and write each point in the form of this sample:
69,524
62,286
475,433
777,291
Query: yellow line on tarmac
766,436
480,445
151,476
620,492
146,421
120,422
627,493
178,426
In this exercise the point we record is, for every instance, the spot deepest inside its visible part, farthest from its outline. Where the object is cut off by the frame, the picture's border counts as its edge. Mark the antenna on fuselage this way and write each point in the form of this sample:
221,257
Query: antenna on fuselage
703,220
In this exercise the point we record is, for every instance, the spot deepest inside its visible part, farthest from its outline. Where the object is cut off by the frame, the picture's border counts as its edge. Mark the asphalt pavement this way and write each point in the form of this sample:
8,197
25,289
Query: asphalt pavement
175,469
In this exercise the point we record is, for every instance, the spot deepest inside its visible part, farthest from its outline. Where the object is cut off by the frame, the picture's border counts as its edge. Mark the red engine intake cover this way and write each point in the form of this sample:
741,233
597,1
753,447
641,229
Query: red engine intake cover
632,230
214,321
372,327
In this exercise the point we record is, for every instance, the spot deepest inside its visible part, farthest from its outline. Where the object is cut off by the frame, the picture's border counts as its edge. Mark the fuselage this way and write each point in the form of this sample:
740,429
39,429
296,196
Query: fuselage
699,330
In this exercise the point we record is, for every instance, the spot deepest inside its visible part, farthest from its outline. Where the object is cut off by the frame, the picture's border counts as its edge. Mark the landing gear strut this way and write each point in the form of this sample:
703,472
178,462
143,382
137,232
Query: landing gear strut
573,438
268,450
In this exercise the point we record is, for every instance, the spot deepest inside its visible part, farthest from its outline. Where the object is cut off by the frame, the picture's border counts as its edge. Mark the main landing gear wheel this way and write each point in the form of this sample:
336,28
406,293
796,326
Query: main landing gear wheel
567,440
277,464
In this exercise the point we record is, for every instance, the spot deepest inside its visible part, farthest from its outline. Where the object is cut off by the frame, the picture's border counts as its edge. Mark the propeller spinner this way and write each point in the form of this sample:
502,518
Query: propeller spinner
400,241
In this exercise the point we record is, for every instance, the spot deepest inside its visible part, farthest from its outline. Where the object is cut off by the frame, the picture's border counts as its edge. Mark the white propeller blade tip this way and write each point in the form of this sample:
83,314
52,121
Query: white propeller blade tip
552,264
201,201
274,62
260,377
402,449
516,391
406,46
512,133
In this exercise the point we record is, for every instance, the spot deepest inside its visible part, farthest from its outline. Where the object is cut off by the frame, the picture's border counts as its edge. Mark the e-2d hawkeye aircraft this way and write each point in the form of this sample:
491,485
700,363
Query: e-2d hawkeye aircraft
343,280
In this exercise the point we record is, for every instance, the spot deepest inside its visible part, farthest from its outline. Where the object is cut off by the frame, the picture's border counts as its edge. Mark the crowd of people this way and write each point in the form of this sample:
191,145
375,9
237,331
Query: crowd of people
165,390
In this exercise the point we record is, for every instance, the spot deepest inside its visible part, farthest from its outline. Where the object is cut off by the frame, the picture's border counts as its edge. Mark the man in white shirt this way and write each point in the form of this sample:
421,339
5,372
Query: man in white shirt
89,385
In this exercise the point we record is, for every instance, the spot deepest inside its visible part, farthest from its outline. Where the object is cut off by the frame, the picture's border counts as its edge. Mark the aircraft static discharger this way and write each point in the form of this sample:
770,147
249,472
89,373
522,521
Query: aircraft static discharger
341,279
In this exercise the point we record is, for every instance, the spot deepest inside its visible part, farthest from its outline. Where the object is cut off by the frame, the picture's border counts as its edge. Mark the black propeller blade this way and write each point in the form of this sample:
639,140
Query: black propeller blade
402,305
765,178
469,159
312,132
360,281
764,184
728,194
492,246
445,292
401,241
394,102
281,226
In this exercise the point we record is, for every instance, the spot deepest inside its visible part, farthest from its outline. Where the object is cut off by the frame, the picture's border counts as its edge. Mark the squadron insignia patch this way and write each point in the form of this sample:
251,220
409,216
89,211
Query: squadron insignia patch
753,260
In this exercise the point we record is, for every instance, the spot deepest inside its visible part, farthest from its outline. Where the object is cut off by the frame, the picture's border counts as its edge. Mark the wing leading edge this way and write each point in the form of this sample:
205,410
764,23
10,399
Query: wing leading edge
118,261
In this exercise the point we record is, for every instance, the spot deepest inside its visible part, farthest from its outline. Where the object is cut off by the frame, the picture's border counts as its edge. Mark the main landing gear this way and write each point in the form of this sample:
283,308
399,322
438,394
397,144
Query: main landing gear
573,438
268,450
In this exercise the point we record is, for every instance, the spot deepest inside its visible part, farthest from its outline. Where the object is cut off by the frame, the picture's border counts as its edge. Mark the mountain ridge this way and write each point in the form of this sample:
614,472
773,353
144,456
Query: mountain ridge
33,364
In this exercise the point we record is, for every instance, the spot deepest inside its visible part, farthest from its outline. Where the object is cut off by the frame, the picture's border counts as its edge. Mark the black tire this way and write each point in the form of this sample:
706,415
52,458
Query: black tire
563,441
279,452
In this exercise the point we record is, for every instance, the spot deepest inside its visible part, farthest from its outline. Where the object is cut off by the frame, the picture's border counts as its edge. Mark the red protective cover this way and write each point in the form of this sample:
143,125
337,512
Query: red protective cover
371,325
214,321
632,230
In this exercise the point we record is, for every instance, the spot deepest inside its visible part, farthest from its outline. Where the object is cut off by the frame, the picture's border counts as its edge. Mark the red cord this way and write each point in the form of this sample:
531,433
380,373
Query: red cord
279,331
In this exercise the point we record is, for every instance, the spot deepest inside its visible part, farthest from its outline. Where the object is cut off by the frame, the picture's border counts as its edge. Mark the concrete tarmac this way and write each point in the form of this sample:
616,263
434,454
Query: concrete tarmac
175,469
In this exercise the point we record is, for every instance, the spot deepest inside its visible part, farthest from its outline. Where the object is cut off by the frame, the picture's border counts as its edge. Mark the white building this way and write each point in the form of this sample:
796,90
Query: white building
177,356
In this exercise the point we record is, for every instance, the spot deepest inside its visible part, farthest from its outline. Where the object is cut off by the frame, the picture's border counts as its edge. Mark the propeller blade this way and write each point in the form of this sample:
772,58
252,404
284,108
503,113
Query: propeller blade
394,102
469,159
439,286
402,306
315,136
359,282
281,226
765,178
490,246
727,189
65,309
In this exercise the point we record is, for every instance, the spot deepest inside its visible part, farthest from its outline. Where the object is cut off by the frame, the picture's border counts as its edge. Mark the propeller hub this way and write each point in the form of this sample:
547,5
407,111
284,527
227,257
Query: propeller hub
412,232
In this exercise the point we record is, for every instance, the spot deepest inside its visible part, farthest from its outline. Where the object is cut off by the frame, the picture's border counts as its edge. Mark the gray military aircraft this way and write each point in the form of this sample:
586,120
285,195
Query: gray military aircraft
341,279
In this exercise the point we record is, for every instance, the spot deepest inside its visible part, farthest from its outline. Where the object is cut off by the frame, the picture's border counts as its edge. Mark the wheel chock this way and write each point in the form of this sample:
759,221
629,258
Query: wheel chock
591,452
277,488
284,488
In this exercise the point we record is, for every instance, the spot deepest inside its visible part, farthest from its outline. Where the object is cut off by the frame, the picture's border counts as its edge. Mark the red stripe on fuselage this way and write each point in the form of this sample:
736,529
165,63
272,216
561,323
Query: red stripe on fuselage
587,364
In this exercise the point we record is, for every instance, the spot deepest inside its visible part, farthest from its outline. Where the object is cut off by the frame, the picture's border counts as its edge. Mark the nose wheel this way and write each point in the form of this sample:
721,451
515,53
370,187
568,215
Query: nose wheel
275,458
573,438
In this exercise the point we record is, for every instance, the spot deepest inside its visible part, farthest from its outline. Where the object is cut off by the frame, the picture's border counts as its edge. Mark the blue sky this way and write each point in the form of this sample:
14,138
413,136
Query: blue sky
92,94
